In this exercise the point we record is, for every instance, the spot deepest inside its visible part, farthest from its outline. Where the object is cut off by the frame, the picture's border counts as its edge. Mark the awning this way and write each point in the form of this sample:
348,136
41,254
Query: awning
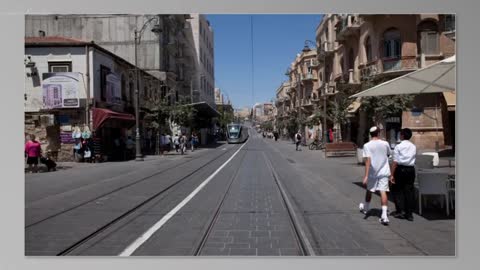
205,109
451,100
436,78
114,119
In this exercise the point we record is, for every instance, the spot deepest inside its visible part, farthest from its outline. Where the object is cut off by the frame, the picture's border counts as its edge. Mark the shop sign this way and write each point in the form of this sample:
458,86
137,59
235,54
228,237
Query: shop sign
66,138
60,90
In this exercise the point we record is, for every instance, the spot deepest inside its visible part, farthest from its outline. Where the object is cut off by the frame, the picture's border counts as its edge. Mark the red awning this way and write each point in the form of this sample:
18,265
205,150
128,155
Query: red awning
101,116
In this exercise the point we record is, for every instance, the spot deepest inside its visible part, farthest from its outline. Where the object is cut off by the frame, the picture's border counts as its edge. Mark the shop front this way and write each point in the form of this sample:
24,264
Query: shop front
112,130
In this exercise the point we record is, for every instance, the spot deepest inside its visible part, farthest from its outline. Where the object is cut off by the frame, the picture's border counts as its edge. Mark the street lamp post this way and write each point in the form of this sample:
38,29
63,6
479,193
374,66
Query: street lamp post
138,34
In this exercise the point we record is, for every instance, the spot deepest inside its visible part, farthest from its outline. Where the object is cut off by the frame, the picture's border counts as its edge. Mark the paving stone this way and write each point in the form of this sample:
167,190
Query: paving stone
243,252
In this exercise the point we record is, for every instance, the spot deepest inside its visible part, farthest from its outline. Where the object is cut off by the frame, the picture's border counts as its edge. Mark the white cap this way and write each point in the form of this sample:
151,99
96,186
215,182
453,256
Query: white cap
373,129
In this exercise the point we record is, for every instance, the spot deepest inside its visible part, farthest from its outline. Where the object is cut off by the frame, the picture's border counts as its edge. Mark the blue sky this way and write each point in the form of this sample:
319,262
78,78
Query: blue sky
276,40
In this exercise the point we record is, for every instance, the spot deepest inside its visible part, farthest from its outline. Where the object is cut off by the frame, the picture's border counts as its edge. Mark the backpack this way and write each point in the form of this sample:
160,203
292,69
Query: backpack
299,137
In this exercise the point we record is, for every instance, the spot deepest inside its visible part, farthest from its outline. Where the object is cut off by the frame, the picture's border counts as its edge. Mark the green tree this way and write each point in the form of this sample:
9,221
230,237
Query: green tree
378,108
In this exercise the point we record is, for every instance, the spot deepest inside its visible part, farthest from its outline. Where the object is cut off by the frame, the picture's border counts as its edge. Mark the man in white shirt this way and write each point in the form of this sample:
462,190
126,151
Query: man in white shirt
298,139
403,176
176,142
377,172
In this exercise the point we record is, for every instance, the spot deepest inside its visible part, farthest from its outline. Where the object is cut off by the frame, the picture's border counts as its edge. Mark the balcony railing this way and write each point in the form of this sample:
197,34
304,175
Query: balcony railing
348,26
307,77
311,63
325,48
330,89
388,65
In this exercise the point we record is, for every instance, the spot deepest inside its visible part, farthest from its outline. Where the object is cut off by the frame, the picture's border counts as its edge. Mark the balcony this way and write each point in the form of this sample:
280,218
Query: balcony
349,25
389,66
330,89
325,48
348,78
368,71
308,77
311,63
306,102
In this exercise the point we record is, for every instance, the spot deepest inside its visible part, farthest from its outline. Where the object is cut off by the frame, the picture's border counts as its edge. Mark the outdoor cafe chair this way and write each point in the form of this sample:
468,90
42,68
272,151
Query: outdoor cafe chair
433,183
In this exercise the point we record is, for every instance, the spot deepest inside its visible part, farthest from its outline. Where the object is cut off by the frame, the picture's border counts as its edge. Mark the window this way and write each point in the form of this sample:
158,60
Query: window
391,44
104,71
428,37
60,66
449,22
368,49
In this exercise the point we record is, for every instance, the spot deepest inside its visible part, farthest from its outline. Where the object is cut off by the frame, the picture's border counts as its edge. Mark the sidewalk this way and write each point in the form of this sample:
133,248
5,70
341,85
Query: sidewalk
67,165
343,176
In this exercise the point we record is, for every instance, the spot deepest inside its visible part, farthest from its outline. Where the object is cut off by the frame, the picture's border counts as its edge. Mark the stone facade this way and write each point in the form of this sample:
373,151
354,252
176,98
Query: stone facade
354,49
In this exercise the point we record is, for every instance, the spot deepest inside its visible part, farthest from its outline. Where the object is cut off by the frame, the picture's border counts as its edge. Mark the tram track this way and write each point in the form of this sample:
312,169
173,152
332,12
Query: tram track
145,178
303,242
211,224
77,243
136,208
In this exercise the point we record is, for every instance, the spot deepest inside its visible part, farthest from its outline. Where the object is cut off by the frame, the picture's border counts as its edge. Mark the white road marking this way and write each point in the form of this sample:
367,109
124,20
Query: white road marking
224,148
146,235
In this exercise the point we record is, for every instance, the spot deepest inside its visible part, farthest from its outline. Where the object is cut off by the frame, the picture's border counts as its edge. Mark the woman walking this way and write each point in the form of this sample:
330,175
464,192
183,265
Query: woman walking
194,141
33,150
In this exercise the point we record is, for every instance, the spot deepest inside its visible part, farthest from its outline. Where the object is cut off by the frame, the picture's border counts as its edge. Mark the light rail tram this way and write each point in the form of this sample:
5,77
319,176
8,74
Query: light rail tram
237,133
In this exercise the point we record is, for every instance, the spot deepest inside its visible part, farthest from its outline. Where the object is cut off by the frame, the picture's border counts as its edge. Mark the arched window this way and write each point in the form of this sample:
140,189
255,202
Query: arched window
392,43
368,49
428,38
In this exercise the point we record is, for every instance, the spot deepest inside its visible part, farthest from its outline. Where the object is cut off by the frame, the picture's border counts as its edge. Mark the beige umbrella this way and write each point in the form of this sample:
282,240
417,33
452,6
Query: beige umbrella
436,78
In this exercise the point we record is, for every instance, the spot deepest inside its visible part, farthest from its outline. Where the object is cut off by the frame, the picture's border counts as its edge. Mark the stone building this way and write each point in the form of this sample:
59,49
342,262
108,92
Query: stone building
303,91
169,48
71,83
358,51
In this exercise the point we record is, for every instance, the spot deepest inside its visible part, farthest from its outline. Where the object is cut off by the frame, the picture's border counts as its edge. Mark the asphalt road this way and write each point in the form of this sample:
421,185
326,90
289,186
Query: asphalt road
261,198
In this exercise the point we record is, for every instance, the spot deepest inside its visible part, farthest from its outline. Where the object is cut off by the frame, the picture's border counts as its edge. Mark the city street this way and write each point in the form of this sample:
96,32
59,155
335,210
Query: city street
261,198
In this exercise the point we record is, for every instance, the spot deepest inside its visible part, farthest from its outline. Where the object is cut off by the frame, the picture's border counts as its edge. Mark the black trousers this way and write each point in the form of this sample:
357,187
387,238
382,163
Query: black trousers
403,190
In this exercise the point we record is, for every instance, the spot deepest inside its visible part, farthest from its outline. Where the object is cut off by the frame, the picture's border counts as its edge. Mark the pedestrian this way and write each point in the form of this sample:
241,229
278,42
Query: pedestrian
176,142
377,172
403,176
194,141
275,135
78,150
298,139
182,141
33,151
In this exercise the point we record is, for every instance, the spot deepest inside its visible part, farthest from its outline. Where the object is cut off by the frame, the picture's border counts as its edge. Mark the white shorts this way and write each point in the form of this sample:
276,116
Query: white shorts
378,184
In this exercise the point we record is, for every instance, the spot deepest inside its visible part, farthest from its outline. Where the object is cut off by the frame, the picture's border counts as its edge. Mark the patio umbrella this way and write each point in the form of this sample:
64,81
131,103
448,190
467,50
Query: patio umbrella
436,78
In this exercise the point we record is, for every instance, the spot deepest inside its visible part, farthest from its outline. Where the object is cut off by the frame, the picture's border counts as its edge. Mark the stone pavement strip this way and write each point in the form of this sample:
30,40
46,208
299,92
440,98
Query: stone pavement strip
333,214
